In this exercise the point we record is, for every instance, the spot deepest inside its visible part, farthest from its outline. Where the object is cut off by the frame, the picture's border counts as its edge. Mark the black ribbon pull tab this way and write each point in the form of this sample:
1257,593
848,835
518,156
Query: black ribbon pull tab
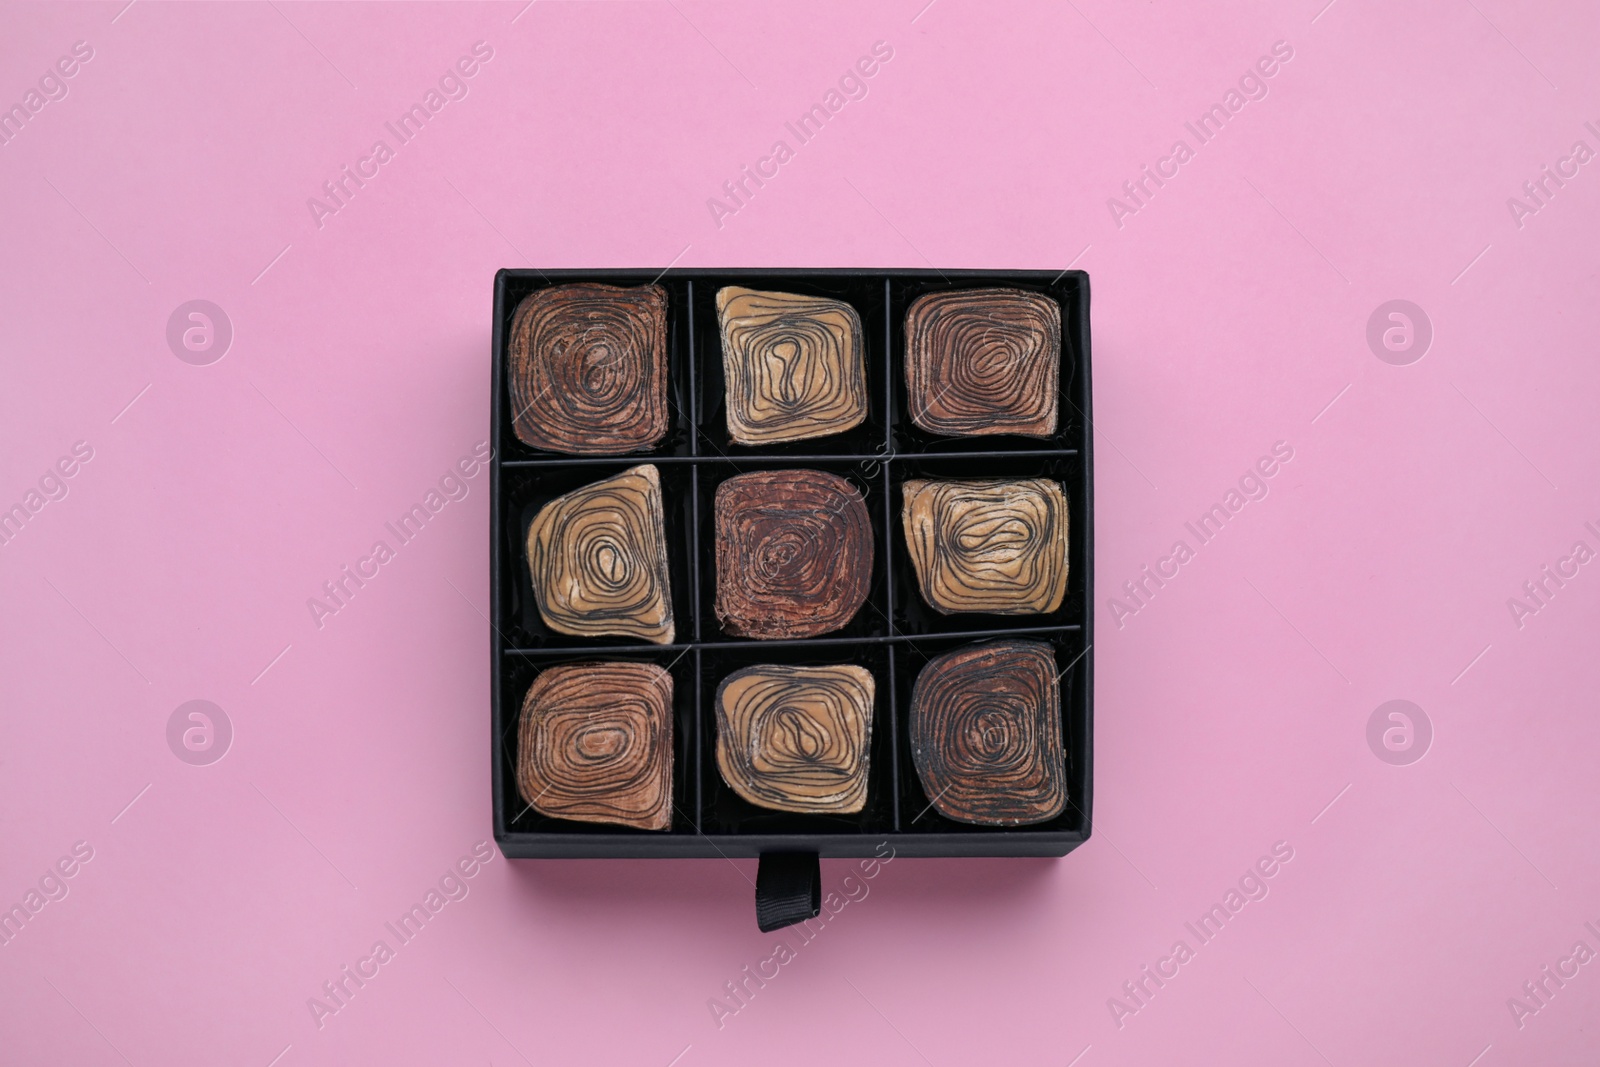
788,889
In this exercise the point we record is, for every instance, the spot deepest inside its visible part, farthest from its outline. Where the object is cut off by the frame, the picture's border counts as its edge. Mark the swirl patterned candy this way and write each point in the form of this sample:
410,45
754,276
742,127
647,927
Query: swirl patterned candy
984,361
992,546
794,553
598,559
986,734
796,738
596,744
588,368
793,366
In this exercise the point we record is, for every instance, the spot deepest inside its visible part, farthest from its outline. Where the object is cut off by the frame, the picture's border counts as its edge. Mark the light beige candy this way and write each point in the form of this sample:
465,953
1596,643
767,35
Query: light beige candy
796,738
598,559
792,365
996,546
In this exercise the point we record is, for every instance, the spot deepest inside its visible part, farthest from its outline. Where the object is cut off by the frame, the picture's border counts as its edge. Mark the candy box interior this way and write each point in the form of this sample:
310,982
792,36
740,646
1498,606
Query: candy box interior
893,635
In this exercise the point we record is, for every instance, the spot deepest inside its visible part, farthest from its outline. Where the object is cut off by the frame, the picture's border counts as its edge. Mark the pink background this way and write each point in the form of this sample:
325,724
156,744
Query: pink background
1229,312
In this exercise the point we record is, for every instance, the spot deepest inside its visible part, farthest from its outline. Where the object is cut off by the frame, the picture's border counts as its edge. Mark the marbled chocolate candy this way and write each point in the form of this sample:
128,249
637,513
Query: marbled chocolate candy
991,546
792,364
796,738
794,553
588,368
986,734
596,744
983,361
598,559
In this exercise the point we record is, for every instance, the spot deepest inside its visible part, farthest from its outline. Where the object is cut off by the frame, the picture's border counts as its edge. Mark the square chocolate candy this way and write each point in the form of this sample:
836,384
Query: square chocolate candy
793,365
794,553
597,558
986,734
996,546
984,361
796,738
596,744
588,368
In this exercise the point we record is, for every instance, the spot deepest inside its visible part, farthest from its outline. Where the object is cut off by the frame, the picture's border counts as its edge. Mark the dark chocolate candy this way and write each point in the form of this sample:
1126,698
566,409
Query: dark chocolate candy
986,734
794,553
588,368
983,361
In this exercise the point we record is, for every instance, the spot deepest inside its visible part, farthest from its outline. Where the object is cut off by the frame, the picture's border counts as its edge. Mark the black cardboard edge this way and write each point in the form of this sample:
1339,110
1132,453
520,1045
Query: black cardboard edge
996,843
497,384
1085,803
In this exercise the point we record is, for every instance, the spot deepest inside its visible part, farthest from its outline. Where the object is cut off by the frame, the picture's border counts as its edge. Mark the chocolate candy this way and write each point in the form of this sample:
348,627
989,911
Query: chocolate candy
991,546
588,368
794,553
796,738
793,366
986,734
596,744
983,361
598,559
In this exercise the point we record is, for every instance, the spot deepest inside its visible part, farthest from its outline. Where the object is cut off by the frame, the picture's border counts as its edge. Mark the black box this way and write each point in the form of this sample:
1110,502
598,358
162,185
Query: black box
893,635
